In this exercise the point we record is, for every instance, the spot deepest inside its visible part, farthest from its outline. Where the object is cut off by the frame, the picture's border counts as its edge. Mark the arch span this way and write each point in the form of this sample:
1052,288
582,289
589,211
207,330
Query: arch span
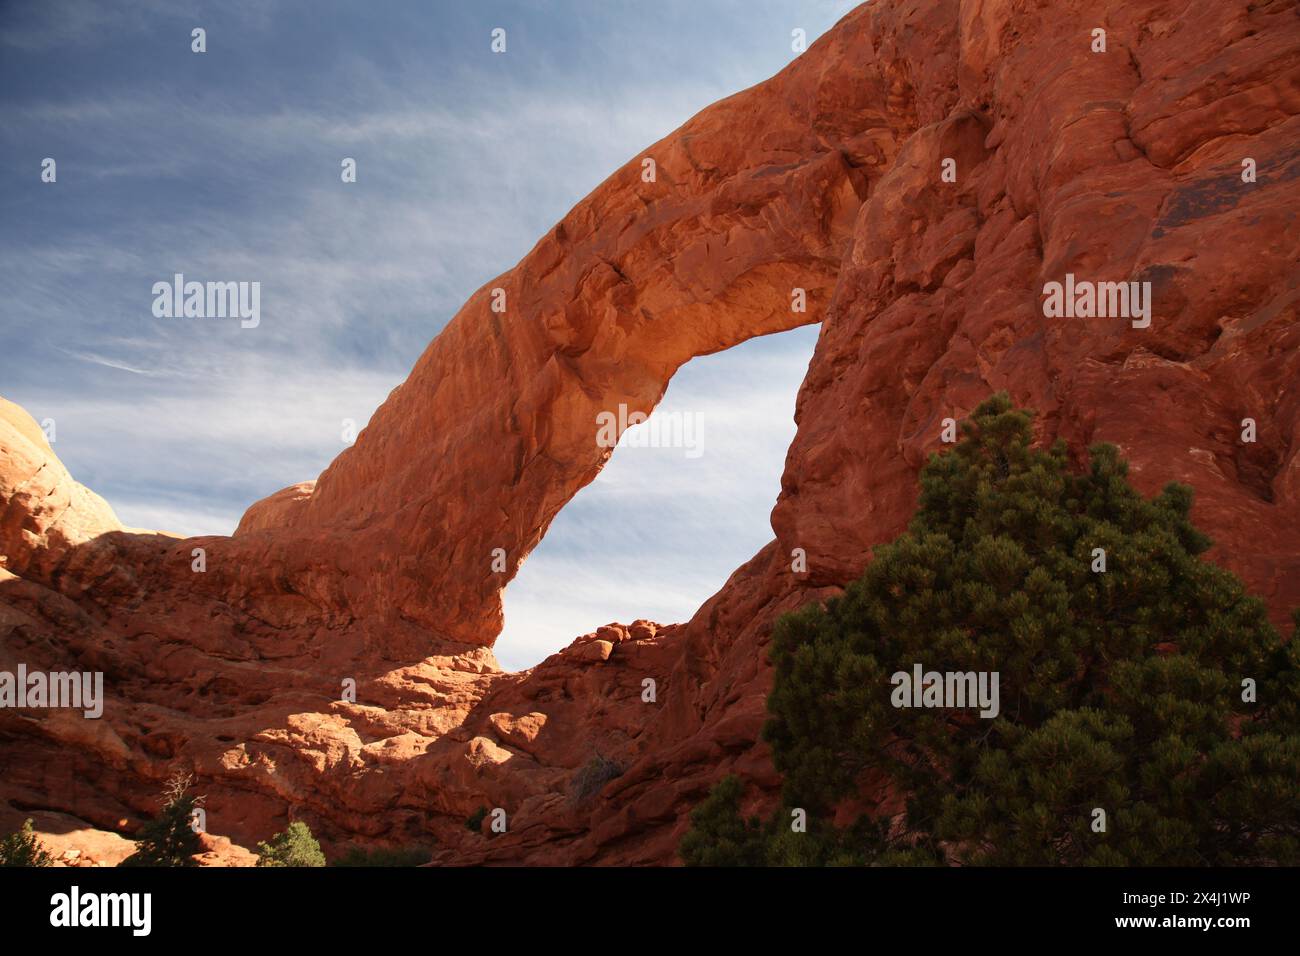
494,430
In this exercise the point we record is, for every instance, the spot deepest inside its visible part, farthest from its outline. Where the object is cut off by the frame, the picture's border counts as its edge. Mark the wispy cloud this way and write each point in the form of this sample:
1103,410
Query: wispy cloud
225,167
79,23
208,454
106,362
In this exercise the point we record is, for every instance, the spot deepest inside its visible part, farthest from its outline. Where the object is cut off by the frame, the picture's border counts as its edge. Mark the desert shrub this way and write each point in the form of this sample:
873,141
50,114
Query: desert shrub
1123,690
593,775
361,856
169,839
23,849
294,847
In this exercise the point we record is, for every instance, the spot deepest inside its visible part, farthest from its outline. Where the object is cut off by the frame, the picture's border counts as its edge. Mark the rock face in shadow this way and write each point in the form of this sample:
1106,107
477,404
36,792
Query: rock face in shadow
1115,167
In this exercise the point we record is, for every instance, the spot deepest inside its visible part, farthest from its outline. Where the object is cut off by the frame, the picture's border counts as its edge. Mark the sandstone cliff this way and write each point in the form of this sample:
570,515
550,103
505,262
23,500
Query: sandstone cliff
1123,165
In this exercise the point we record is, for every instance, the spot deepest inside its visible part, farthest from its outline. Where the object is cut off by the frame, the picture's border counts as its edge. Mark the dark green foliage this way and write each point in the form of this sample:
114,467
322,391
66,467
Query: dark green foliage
407,856
294,847
169,839
718,836
475,820
23,849
1120,690
597,772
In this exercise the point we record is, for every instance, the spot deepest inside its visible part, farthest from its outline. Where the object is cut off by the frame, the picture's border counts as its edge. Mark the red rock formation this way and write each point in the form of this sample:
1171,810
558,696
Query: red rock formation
1115,166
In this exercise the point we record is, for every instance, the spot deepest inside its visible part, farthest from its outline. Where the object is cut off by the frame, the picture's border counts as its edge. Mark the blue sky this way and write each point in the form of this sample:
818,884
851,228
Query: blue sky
225,165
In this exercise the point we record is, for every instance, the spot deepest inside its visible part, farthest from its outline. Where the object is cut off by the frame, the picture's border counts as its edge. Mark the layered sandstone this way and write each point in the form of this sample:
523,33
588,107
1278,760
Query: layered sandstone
1117,166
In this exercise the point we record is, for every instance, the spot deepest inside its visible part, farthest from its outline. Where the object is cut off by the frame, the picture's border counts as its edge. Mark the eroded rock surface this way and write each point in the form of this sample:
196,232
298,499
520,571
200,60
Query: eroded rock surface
1114,167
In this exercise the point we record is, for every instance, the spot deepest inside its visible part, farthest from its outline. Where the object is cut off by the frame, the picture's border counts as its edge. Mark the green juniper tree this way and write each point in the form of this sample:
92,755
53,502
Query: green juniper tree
294,847
1155,691
170,838
719,836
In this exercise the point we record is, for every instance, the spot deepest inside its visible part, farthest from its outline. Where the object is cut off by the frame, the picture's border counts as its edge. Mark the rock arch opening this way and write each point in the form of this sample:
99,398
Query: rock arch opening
683,501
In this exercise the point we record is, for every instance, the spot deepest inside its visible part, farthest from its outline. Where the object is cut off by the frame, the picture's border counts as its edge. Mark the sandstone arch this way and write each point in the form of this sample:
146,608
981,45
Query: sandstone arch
494,429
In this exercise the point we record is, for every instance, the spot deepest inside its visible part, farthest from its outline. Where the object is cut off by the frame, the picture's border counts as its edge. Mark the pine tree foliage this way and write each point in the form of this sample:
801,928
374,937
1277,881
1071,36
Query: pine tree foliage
294,847
1121,690
719,836
170,839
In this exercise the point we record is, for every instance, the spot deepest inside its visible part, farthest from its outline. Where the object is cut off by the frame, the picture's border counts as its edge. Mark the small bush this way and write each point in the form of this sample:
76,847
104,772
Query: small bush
475,820
361,856
586,783
294,847
23,849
